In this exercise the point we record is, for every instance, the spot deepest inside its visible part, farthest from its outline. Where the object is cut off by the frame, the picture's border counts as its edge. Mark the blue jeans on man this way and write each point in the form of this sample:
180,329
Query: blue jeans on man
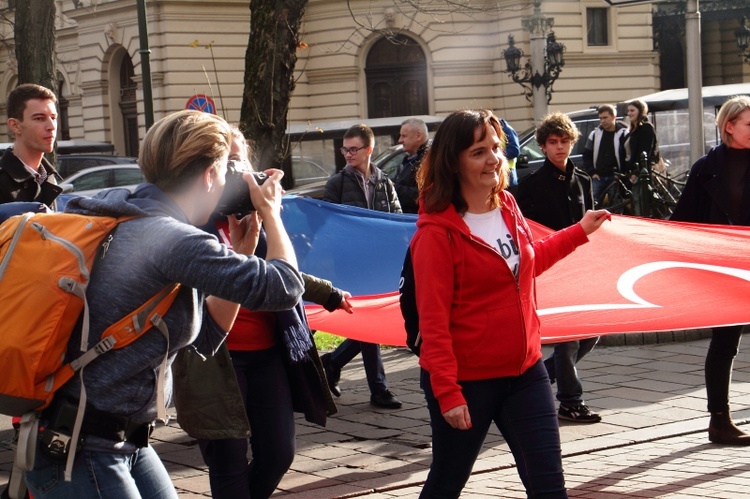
561,368
374,370
598,186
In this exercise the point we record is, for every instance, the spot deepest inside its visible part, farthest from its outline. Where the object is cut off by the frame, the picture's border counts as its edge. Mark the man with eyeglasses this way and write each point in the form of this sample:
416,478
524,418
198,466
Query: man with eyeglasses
362,184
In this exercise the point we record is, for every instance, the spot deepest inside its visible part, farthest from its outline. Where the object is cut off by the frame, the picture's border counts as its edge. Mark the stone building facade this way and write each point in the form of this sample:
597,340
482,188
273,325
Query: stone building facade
379,58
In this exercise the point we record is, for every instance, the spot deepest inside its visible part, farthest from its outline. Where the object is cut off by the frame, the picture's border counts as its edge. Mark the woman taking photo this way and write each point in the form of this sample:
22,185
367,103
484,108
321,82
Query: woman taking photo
475,261
717,192
184,160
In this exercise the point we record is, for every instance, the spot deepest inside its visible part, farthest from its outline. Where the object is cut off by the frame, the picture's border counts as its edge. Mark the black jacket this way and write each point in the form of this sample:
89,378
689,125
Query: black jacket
640,140
345,188
553,198
705,198
406,181
18,184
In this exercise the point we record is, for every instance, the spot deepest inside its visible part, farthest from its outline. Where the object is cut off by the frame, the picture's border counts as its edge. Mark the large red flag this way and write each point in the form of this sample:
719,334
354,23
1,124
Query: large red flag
635,275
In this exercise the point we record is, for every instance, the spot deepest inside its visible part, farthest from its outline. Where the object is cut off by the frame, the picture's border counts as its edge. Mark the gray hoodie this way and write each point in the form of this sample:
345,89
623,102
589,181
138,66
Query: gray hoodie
146,255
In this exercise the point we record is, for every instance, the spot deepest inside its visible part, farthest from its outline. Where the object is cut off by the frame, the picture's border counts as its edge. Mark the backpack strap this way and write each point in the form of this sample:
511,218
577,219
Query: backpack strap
118,335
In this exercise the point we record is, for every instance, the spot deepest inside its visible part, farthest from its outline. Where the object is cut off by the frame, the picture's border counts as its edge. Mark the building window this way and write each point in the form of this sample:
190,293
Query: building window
396,72
597,26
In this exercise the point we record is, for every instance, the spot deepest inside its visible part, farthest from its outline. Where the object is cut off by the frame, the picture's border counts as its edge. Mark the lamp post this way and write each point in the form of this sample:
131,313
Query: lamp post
546,54
743,39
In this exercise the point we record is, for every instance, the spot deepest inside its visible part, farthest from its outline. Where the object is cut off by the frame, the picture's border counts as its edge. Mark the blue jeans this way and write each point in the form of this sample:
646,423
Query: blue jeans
106,475
371,358
725,343
523,410
599,186
264,385
561,367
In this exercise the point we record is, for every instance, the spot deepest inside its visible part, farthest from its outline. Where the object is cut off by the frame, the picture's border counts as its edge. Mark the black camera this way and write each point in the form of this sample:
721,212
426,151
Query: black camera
236,197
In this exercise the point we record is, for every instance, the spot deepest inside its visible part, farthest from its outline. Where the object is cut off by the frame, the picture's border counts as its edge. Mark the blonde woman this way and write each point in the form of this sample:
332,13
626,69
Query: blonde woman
184,160
718,192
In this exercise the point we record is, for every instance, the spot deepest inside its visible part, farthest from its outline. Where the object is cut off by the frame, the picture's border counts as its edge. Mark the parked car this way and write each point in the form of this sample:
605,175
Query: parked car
68,164
92,180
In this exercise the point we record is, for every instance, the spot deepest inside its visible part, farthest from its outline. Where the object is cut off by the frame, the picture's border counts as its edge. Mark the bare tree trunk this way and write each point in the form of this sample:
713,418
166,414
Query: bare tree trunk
269,79
35,42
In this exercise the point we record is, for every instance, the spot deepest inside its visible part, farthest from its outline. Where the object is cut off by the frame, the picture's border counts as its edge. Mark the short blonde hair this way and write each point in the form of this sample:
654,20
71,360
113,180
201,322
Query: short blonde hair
729,112
180,147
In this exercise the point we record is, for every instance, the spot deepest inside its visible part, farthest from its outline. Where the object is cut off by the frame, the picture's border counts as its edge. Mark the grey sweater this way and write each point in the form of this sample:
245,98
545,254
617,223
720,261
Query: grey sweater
147,254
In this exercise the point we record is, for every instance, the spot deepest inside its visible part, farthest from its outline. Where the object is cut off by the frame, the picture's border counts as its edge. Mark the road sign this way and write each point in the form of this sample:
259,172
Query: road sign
201,102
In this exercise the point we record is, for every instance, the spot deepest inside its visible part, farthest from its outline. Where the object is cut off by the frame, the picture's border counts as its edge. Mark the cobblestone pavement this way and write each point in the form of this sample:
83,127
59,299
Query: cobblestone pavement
651,443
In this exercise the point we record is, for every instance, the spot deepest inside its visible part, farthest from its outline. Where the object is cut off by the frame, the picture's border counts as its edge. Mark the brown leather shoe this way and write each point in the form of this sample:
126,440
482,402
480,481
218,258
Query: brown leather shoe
721,430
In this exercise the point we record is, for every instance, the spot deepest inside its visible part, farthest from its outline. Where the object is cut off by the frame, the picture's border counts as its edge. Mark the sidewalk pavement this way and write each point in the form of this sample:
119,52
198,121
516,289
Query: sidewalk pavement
652,441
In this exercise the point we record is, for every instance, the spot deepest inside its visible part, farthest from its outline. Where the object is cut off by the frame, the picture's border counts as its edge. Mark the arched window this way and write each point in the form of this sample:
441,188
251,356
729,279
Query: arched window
128,106
63,116
396,72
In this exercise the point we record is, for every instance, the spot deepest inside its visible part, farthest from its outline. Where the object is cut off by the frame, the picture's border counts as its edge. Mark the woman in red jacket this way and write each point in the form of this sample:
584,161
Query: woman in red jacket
474,266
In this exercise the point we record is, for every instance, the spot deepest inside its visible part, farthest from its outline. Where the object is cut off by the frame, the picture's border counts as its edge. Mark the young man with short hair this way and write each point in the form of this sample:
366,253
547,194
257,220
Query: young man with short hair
25,175
361,184
557,195
604,153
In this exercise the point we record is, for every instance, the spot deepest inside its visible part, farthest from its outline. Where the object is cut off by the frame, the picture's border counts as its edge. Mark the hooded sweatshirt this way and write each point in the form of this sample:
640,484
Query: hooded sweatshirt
476,319
147,254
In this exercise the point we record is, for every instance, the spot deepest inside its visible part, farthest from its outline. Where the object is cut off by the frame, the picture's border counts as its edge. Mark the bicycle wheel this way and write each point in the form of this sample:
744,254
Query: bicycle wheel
615,199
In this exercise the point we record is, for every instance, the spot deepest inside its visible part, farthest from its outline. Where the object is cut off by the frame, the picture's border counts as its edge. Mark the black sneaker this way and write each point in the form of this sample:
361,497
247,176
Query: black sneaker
386,400
578,414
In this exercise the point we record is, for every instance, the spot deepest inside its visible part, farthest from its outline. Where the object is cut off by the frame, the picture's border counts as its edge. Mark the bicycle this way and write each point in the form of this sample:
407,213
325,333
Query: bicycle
653,194
616,197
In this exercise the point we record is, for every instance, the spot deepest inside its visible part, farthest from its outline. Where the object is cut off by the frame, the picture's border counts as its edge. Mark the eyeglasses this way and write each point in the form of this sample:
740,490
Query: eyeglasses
351,150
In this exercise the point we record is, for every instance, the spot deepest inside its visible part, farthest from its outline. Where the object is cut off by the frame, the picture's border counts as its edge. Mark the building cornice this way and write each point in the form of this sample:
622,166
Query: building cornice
331,75
462,68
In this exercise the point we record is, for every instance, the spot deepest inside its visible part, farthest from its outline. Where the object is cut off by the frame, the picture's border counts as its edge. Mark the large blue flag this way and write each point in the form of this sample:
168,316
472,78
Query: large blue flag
359,250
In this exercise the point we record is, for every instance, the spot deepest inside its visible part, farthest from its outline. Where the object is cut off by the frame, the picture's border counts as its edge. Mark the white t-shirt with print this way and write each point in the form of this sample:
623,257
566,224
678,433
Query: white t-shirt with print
491,228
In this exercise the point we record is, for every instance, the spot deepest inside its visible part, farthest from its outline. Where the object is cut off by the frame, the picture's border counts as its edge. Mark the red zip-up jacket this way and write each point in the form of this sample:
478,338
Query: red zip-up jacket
476,319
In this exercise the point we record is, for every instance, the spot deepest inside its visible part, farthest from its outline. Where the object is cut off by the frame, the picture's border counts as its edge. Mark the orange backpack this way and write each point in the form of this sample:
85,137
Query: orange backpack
45,267
45,264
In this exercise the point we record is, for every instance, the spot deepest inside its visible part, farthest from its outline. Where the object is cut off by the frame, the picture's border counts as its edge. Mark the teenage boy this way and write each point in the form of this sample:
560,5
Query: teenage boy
558,195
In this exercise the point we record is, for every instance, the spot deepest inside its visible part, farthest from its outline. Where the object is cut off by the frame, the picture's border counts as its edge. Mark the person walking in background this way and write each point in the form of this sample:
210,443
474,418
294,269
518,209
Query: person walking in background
264,379
718,192
512,151
641,138
475,263
361,184
414,137
25,175
558,195
604,153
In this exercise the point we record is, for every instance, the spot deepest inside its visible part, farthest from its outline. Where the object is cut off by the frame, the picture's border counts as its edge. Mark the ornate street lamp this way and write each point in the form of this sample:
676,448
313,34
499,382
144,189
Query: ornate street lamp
526,76
743,39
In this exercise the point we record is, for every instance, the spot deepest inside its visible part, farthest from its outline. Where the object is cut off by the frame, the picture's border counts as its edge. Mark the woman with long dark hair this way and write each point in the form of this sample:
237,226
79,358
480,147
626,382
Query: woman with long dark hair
475,262
641,136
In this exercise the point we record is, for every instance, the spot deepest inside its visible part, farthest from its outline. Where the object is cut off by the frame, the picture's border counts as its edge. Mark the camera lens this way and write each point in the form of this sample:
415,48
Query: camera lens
236,197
